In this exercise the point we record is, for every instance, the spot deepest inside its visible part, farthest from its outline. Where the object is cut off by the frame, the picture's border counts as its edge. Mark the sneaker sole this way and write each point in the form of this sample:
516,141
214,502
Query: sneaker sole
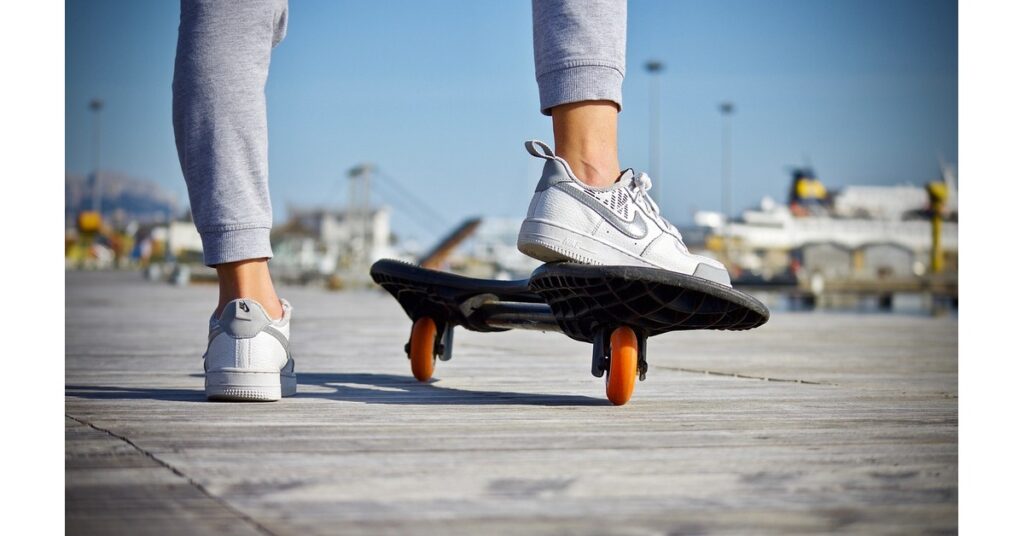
237,386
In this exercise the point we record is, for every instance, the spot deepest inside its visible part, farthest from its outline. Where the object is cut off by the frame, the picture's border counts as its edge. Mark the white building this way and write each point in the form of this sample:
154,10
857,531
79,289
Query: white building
366,235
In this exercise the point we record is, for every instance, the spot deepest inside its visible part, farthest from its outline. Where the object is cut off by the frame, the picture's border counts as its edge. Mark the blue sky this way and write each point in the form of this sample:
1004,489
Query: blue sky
441,94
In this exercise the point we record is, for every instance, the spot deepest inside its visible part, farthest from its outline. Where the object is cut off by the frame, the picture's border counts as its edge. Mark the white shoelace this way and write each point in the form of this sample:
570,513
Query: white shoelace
642,183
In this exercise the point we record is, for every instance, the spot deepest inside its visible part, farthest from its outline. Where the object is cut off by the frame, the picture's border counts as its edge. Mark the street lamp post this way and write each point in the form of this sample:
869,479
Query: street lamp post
654,67
96,105
726,108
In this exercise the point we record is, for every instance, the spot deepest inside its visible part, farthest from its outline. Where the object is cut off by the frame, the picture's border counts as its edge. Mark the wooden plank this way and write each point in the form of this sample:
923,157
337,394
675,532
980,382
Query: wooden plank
111,487
855,427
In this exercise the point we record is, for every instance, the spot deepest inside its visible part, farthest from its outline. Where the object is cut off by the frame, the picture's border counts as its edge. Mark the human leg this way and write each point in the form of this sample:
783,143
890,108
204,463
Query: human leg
220,127
584,209
580,57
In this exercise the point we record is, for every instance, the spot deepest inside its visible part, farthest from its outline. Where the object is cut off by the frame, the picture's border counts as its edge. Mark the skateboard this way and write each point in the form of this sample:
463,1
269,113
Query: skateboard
614,308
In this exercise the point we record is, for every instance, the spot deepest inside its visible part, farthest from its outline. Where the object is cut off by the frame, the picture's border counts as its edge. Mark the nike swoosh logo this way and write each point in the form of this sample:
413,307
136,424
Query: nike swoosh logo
636,228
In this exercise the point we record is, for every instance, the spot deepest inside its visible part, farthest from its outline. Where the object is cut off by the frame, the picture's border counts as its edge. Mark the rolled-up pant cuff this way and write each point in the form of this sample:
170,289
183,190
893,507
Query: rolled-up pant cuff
235,245
580,83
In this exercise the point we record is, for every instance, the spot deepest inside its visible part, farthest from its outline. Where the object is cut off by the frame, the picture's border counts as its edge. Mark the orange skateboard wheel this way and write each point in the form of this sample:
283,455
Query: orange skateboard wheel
421,348
622,366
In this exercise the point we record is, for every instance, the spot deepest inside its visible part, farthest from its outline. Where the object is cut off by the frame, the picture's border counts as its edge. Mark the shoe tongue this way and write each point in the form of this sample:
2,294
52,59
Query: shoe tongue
626,176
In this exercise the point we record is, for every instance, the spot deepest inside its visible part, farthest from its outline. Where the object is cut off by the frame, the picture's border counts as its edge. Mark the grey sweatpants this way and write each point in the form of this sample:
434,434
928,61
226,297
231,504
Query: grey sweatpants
220,116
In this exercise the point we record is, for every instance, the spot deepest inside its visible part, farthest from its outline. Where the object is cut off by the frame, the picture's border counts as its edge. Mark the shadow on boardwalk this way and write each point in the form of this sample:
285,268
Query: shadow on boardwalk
353,387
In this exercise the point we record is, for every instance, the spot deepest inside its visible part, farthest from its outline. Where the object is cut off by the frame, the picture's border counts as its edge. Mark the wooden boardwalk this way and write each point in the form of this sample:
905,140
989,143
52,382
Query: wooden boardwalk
816,422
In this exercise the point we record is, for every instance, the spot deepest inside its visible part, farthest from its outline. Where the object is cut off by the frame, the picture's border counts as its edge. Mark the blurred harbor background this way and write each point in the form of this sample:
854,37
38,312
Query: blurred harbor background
810,147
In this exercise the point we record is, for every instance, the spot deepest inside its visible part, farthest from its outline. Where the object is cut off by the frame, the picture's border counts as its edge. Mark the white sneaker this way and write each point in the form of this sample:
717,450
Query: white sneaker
247,358
618,225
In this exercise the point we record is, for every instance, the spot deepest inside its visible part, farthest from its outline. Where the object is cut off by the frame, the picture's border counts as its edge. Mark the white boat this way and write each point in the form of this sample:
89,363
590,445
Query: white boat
858,231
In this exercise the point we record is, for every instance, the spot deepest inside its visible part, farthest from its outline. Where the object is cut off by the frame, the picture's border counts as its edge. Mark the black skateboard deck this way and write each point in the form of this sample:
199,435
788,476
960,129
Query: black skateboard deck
616,308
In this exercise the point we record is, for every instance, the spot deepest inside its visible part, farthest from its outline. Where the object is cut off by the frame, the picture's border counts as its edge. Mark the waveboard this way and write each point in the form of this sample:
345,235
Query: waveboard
614,308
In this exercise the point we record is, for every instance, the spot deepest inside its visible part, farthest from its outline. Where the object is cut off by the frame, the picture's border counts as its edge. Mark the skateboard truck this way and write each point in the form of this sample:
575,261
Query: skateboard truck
641,354
602,350
443,343
599,359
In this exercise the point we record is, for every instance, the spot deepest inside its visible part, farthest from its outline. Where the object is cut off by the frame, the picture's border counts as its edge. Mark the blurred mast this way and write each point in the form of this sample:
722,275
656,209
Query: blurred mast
96,105
727,109
654,67
360,212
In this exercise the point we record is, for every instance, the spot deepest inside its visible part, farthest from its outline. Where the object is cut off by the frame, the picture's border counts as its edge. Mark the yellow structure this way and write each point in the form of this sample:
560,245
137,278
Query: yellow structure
937,195
89,221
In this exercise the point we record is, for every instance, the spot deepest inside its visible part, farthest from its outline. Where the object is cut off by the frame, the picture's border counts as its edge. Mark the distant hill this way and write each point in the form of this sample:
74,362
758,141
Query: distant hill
124,199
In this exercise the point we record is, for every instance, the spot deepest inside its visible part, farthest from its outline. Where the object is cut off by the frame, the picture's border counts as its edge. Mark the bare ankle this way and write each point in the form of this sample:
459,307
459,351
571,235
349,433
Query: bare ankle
248,279
586,137
598,171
